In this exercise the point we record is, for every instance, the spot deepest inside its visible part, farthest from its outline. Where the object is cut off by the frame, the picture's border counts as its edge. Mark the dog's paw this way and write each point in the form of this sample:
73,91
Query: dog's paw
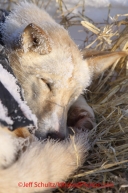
81,116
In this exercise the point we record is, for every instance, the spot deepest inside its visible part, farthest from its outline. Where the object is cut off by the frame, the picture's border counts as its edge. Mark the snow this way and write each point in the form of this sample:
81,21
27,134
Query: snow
96,10
101,3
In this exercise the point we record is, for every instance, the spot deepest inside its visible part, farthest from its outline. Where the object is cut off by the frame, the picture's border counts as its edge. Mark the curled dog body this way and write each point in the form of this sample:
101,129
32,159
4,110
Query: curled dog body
53,73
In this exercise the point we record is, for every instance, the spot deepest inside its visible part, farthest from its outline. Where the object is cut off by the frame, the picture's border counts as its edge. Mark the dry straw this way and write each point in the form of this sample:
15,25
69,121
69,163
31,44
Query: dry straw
107,161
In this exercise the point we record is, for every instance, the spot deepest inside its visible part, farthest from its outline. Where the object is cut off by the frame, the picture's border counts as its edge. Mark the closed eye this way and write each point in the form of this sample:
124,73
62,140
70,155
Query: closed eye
47,83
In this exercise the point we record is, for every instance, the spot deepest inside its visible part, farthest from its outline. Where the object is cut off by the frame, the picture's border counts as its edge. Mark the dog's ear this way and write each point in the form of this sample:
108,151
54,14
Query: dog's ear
34,39
99,61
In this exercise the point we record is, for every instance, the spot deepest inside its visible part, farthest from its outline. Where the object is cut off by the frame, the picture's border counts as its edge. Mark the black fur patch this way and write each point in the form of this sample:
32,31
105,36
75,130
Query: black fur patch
8,101
14,111
3,15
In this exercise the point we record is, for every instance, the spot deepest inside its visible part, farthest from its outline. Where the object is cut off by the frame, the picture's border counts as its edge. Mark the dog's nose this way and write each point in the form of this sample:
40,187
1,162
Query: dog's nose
55,136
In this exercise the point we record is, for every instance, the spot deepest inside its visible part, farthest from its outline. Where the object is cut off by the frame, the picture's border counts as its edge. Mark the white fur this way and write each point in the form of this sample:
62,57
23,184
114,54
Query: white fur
26,13
9,147
4,114
44,162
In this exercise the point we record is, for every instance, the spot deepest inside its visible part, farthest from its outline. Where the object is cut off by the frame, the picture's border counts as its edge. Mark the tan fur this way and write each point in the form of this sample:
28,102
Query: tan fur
19,132
22,132
99,61
61,68
53,73
49,66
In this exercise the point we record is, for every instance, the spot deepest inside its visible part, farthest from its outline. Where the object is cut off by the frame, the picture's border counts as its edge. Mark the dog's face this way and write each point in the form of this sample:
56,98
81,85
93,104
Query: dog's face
52,72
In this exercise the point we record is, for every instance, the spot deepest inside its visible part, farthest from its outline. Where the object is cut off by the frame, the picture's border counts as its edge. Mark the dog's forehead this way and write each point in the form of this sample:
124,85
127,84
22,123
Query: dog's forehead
59,64
64,54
